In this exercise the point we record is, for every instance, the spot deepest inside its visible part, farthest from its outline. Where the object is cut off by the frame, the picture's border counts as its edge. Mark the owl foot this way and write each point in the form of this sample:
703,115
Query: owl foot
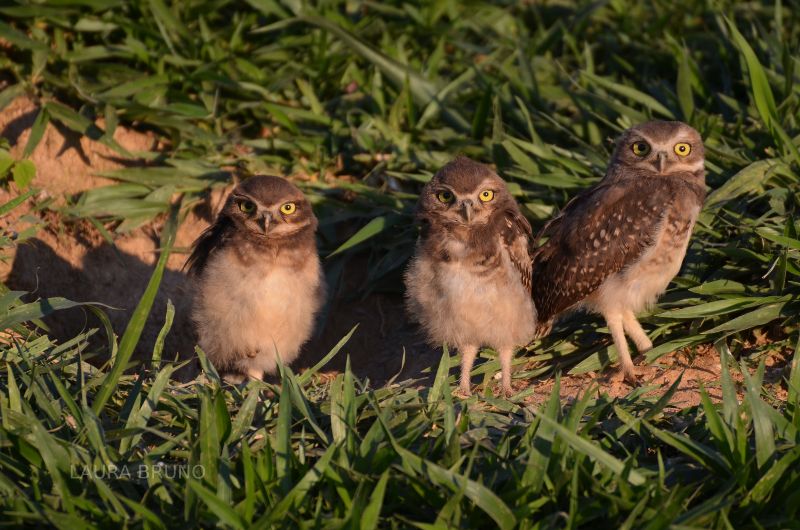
462,392
239,378
507,392
632,379
616,377
234,378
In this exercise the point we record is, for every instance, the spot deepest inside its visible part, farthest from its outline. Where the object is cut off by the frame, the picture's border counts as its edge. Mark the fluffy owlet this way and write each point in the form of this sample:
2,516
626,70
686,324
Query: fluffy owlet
259,280
469,281
614,248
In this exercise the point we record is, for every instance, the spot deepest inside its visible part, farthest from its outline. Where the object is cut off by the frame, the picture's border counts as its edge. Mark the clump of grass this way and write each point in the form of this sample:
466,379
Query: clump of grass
157,454
361,101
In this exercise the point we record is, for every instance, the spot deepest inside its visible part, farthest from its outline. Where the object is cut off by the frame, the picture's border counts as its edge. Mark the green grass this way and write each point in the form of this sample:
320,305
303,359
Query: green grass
380,95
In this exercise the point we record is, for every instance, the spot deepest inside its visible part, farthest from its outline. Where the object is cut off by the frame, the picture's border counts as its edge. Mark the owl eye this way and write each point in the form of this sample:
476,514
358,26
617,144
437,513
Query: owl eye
640,148
486,195
247,206
445,196
289,208
683,149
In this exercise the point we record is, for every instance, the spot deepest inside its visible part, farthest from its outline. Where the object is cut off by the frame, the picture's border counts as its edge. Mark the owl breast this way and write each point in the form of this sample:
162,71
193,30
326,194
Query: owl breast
248,313
637,286
462,301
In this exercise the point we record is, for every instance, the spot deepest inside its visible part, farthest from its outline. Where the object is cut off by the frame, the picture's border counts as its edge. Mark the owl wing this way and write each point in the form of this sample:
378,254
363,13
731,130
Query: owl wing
516,239
211,240
599,233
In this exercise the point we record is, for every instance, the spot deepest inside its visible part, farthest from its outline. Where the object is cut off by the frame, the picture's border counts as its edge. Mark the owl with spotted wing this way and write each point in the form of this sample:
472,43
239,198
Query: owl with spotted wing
615,248
469,281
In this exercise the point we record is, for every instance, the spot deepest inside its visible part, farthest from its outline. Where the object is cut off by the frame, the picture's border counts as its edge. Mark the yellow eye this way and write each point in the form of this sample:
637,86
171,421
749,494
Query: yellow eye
683,149
289,208
640,148
247,206
445,196
486,195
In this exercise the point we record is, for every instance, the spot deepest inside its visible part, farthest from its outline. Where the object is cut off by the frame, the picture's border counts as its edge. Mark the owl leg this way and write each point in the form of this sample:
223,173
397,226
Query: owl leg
233,378
242,375
617,330
506,355
468,354
255,373
635,331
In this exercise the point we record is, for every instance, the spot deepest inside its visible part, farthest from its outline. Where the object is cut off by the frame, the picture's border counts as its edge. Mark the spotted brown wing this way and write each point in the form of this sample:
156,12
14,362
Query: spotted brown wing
597,235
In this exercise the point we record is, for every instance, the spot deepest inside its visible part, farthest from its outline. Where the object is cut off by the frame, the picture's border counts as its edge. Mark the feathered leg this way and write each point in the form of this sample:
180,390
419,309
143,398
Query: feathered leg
506,355
617,330
635,331
468,354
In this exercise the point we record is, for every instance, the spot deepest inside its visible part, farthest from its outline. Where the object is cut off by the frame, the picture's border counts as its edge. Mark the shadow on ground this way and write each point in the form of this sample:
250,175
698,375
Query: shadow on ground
115,278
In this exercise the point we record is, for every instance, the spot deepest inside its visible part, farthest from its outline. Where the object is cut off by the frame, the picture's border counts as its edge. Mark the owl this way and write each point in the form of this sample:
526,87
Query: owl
469,282
258,279
614,248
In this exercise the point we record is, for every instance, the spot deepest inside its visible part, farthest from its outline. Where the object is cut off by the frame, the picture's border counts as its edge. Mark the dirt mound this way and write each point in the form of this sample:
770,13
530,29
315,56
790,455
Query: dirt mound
66,162
70,258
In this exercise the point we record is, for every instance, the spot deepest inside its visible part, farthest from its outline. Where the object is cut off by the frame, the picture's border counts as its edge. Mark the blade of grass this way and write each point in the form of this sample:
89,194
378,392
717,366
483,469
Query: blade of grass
136,324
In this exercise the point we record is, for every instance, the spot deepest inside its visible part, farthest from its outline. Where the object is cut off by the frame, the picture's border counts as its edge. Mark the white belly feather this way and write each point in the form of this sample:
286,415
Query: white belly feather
459,306
257,311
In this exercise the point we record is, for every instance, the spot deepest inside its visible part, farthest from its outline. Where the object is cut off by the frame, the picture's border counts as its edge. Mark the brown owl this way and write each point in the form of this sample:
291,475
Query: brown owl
259,284
469,281
614,248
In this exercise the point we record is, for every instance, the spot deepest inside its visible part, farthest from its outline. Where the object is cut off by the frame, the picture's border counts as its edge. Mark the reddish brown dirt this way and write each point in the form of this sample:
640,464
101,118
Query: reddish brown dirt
695,368
66,162
70,258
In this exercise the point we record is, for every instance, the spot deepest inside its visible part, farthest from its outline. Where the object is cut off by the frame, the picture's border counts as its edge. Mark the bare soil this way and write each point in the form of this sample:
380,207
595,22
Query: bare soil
701,367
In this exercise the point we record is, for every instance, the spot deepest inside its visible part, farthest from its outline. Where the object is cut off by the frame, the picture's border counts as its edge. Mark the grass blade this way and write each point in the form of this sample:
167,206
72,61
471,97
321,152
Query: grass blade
136,324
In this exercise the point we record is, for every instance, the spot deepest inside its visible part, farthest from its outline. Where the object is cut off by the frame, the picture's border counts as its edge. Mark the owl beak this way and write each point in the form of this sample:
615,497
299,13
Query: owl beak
466,210
263,221
661,161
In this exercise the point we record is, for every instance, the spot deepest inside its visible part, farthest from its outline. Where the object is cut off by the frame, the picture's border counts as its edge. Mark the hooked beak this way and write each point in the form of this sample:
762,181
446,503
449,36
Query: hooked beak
661,163
263,222
466,210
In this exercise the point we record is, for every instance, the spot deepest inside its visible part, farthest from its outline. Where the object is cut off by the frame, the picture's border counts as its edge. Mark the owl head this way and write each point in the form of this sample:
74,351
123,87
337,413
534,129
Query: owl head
661,148
262,212
269,207
464,193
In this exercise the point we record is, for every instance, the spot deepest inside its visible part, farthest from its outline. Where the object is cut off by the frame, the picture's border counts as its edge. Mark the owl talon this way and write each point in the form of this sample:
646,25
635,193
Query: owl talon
463,392
631,378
